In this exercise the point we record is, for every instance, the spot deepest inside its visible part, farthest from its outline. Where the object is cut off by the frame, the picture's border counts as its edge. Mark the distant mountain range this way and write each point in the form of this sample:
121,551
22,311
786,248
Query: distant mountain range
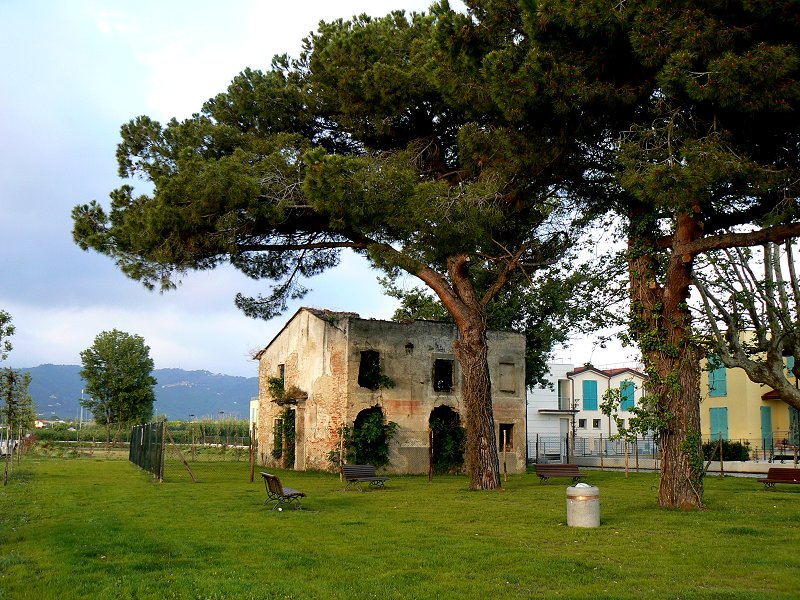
56,392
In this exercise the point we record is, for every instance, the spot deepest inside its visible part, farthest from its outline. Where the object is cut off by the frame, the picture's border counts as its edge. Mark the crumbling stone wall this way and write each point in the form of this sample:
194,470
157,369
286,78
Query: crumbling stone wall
322,353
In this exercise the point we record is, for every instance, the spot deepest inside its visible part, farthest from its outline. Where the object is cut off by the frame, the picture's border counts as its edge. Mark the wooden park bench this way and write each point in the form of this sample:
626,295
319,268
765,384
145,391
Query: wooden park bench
282,496
780,475
547,470
355,475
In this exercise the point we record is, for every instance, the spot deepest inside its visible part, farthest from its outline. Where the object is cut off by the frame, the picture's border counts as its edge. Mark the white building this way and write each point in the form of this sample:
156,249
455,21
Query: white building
589,384
550,409
570,406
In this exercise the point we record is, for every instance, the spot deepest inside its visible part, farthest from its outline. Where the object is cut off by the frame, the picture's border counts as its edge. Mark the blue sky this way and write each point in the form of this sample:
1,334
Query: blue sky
73,73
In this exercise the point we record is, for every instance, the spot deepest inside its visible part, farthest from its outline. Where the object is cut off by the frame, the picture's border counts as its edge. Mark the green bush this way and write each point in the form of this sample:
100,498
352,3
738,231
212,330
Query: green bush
448,441
283,438
730,450
368,441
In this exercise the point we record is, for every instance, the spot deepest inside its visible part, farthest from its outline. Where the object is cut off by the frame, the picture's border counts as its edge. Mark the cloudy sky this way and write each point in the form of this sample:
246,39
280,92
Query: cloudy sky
73,73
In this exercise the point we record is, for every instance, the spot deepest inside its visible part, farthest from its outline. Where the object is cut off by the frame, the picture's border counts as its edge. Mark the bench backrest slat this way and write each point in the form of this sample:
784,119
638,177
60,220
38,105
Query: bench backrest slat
358,470
783,473
273,483
556,467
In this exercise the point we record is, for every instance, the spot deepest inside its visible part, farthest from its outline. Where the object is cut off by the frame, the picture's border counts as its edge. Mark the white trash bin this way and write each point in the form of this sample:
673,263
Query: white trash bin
583,505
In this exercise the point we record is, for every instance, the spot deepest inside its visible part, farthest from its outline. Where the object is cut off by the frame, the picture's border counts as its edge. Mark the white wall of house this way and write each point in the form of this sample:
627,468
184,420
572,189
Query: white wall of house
253,419
543,402
588,388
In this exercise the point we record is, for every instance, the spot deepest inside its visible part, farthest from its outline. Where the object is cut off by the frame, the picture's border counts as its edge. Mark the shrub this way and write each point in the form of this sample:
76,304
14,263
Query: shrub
283,438
730,450
448,441
368,441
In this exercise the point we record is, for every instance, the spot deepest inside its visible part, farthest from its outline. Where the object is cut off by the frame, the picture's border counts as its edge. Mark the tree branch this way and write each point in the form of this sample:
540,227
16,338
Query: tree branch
305,246
777,234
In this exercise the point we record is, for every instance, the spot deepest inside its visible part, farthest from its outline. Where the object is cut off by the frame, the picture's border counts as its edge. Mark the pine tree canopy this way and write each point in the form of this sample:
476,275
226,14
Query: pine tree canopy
364,142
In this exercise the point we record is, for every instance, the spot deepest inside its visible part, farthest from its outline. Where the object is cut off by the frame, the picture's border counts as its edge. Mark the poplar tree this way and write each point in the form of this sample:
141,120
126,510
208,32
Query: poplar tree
117,369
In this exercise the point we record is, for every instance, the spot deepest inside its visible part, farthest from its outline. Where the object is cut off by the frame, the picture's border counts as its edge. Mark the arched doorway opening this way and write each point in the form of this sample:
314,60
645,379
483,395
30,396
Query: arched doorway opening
448,440
368,441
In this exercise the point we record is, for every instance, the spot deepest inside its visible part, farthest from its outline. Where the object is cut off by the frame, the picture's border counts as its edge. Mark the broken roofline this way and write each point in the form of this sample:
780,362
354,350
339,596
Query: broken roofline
325,314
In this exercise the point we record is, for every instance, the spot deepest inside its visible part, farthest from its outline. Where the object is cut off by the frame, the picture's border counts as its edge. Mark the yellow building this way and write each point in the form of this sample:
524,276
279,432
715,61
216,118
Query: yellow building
737,409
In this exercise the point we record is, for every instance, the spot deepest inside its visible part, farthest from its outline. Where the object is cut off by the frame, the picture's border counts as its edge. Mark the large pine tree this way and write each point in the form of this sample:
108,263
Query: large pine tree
363,144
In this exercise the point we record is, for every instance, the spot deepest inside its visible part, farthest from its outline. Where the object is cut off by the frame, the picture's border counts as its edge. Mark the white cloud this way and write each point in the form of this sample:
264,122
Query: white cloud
89,66
194,327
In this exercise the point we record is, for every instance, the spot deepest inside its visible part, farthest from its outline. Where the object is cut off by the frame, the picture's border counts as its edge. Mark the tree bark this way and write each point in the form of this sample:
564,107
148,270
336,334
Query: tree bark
662,324
471,350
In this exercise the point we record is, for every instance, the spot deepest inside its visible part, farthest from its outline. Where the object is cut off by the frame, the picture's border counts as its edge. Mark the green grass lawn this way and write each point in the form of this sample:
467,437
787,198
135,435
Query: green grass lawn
97,528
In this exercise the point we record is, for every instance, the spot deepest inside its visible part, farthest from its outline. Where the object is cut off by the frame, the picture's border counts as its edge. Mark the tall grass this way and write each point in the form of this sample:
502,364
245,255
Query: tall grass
95,528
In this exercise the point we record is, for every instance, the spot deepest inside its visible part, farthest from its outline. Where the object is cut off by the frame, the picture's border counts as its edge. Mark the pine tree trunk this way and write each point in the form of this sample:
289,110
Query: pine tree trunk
472,352
681,484
661,322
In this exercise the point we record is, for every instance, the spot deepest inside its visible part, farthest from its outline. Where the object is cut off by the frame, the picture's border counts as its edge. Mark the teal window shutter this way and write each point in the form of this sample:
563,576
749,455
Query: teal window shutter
589,394
626,389
719,422
789,364
766,426
718,381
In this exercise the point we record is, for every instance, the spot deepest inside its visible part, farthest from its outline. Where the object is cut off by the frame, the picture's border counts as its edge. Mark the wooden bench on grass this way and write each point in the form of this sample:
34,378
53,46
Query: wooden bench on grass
547,470
355,475
780,475
282,496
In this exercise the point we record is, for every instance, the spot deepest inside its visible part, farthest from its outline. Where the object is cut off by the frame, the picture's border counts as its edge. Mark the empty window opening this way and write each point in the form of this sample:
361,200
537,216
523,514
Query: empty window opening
582,423
442,375
507,437
369,369
596,423
282,372
508,377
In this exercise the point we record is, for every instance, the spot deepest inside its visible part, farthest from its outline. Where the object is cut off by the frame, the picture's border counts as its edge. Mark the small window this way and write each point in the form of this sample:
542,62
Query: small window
506,437
507,377
369,370
442,375
596,423
582,423
282,372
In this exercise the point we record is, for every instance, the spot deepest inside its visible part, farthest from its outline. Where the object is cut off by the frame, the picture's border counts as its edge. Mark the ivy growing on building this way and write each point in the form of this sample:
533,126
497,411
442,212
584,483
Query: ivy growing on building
367,442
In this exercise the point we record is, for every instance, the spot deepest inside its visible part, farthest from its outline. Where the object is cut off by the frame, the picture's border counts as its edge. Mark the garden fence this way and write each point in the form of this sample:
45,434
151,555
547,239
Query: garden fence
778,447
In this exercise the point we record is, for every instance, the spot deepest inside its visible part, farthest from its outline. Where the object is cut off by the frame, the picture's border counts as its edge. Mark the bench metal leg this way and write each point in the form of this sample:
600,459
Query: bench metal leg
288,502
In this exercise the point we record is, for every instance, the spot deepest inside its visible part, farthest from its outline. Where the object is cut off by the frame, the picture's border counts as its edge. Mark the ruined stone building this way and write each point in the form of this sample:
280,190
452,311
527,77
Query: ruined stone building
329,361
